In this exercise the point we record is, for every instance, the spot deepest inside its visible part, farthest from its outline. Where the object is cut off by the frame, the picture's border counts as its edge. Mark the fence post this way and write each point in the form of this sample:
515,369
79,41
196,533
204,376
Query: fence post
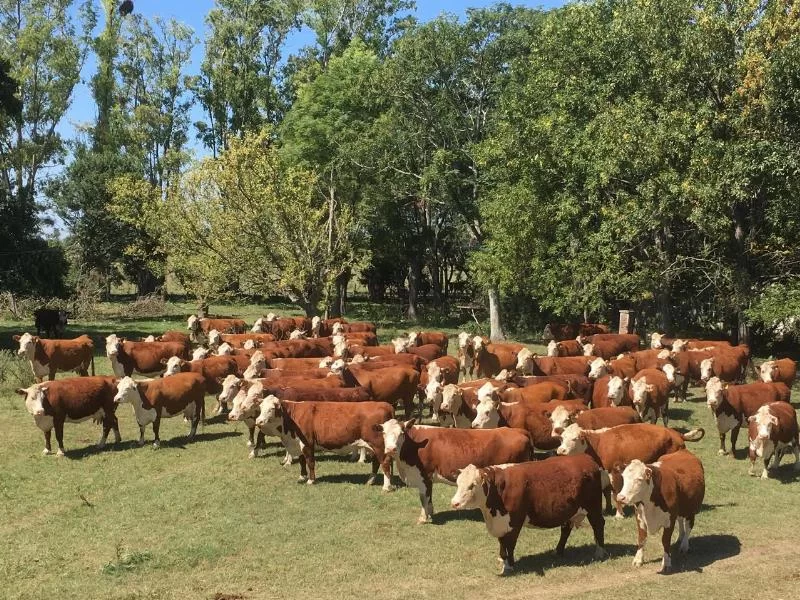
626,318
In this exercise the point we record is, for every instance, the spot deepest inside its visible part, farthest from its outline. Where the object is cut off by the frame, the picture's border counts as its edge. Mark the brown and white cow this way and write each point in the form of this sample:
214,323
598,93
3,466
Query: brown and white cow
594,418
425,454
199,328
394,384
47,357
421,338
556,492
783,370
141,357
466,355
665,493
72,400
155,399
565,348
214,370
611,390
609,345
773,430
491,359
649,392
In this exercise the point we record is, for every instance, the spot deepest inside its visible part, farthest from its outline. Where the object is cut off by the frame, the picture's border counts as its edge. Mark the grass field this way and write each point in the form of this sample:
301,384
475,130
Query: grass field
202,521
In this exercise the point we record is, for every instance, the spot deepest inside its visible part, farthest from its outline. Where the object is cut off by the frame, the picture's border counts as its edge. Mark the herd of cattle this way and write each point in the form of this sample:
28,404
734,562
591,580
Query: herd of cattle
327,384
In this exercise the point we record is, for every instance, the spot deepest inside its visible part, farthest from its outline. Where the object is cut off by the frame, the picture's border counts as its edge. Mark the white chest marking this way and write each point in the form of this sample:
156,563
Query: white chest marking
44,422
726,422
39,370
497,526
651,518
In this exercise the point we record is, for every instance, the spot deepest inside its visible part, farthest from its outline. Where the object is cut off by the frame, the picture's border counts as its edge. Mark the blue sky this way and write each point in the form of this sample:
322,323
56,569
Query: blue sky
193,12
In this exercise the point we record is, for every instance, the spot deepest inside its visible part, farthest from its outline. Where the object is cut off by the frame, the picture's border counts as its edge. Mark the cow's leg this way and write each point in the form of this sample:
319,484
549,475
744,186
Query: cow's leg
52,373
58,425
47,449
195,420
778,458
796,452
141,435
115,427
107,425
598,523
765,472
688,525
665,413
734,437
681,523
362,455
566,529
507,543
609,503
386,467
308,452
666,541
408,407
638,559
303,469
423,500
251,434
258,443
156,425
722,451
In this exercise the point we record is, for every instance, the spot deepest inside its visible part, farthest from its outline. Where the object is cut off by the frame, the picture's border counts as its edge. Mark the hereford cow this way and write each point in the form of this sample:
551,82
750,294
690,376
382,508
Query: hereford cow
393,384
783,370
611,390
664,493
155,399
47,357
595,418
733,405
199,328
578,387
557,492
213,370
245,408
466,355
141,357
773,430
649,391
73,400
421,338
170,336
490,359
609,345
353,327
565,348
423,454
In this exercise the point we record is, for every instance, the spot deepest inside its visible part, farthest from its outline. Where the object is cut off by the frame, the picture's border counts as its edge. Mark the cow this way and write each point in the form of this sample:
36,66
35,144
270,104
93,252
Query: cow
199,327
141,357
466,355
664,493
412,360
394,384
617,446
323,328
72,400
578,387
611,390
624,367
530,364
159,398
421,338
50,320
353,327
595,418
213,369
336,426
246,406
170,336
423,454
783,370
237,340
565,348
649,391
723,364
773,430
47,357
490,359
557,492
609,345
733,405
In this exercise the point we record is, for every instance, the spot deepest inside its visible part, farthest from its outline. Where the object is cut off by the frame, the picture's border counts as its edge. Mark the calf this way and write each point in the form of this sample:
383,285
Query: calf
783,370
72,400
565,348
595,418
649,391
213,370
141,357
423,454
773,430
158,398
421,338
733,405
665,493
330,425
557,492
47,357
490,359
466,355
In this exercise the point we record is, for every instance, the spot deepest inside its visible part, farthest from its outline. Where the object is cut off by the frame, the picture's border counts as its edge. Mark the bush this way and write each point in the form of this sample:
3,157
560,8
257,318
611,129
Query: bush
15,372
152,305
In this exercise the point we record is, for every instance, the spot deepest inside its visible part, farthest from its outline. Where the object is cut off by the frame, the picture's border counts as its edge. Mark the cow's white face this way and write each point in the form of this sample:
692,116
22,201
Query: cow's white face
258,359
714,389
258,326
477,343
641,390
487,392
655,341
412,337
616,390
433,391
297,334
572,441
338,366
598,368
469,489
487,414
34,398
552,348
357,359
394,433
672,373
707,369
434,371
271,317
337,328
463,340
400,345
637,483
664,354
250,345
193,323
270,411
765,421
326,362
127,391
173,366
246,402
523,357
27,345
214,338
452,397
230,387
679,345
561,420
340,349
588,350
316,322
149,338
503,375
112,345
766,369
224,349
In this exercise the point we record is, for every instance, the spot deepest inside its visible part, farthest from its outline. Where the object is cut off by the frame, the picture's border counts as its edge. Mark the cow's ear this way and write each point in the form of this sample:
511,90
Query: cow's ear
773,419
15,338
409,424
648,473
626,381
21,391
377,428
558,430
548,414
650,388
164,361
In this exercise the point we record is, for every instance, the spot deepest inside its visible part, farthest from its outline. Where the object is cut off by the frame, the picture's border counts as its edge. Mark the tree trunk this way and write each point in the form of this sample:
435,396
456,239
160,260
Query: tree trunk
664,309
202,307
496,328
436,282
338,305
413,289
146,283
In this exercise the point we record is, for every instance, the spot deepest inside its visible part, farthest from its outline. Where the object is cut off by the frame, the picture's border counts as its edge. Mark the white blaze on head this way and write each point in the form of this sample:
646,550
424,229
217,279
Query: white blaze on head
34,398
338,366
572,441
258,359
149,338
679,345
616,390
337,328
340,349
173,366
271,317
326,362
588,350
258,326
637,483
433,392
401,344
766,369
487,413
27,345
394,433
435,371
463,340
706,369
193,323
270,411
671,372
641,389
522,358
250,344
452,397
225,349
477,343
412,337
127,391
714,389
765,421
469,489
230,387
598,368
561,419
655,341
214,338
552,348
664,354
298,334
112,345
246,403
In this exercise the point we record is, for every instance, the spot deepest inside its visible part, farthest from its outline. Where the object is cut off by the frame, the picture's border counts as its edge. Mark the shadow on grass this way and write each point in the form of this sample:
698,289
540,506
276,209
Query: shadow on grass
126,445
709,507
680,414
705,550
446,516
353,478
573,556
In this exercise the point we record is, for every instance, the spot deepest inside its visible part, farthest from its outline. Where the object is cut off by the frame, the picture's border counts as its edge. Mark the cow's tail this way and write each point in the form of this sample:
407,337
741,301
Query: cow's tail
695,435
92,363
203,412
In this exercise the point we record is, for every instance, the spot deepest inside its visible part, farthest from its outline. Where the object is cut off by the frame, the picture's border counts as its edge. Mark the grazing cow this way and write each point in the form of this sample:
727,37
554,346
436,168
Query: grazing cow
423,454
47,357
50,320
421,338
733,405
159,398
617,446
784,370
557,492
665,493
336,426
649,391
141,357
565,348
490,359
773,430
466,355
213,370
394,384
611,390
72,400
595,418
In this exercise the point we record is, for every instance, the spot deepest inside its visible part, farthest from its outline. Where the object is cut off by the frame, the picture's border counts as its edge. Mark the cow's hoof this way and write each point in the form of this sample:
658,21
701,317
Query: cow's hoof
424,520
156,445
59,452
637,562
249,444
46,452
600,553
619,516
100,446
684,548
764,474
722,452
388,489
310,482
507,571
140,443
252,454
302,479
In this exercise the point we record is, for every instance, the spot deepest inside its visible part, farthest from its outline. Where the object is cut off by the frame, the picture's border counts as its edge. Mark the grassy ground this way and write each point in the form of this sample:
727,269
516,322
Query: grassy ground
202,521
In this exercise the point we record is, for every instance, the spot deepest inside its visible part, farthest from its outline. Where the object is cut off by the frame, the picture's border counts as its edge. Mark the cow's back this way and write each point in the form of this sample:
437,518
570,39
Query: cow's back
620,445
682,482
79,397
